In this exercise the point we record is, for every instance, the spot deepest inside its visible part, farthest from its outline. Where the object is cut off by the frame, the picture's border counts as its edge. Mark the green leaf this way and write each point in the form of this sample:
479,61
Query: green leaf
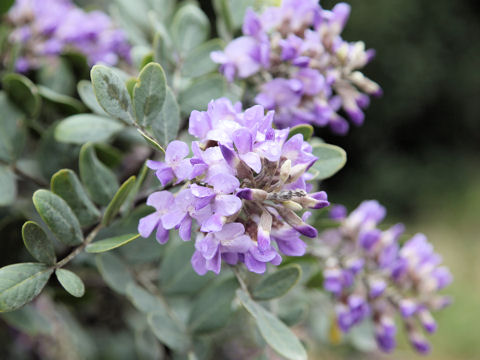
165,126
110,243
130,84
5,5
111,93
8,186
273,331
100,182
85,90
213,307
200,92
176,273
23,92
114,207
38,244
149,94
66,103
198,62
304,129
70,282
27,320
21,283
12,135
66,184
58,216
331,159
190,28
145,301
82,128
114,272
277,284
58,76
169,331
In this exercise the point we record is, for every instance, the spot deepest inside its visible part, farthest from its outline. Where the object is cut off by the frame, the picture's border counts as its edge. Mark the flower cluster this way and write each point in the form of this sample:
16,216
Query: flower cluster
243,185
371,275
46,28
300,65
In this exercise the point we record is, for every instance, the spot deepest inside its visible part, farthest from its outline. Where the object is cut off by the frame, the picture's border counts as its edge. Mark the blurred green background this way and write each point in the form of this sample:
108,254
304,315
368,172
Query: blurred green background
418,152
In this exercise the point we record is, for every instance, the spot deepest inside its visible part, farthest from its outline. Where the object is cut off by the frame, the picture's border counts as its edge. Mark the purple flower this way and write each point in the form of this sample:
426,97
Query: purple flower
300,66
245,183
161,201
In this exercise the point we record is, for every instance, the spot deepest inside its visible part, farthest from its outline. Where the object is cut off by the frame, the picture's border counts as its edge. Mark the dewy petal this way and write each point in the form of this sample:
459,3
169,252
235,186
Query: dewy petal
215,263
230,231
176,151
213,223
185,229
224,183
156,165
199,263
227,205
173,218
240,244
242,138
165,175
183,170
147,224
292,247
263,255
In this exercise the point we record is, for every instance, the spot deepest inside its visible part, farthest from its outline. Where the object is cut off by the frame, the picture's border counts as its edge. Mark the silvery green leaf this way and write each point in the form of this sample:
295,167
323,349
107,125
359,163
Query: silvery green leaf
110,243
100,182
190,27
331,159
86,93
305,129
70,282
58,216
8,186
278,283
23,93
118,199
144,301
82,128
273,331
58,76
149,94
21,283
114,271
169,331
65,103
12,134
66,184
165,126
37,243
28,320
201,92
111,93
213,307
198,62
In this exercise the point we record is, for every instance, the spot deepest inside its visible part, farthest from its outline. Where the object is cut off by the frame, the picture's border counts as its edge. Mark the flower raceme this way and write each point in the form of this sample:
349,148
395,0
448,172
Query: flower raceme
300,65
371,275
46,28
242,188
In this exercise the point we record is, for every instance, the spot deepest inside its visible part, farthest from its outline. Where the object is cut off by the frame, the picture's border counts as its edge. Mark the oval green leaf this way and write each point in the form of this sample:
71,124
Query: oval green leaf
12,135
111,93
213,307
37,243
198,62
8,186
145,301
114,272
85,90
114,207
66,184
169,331
70,282
23,92
82,128
277,284
58,216
331,159
21,283
165,126
149,94
273,331
304,129
100,182
190,28
110,243
66,103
